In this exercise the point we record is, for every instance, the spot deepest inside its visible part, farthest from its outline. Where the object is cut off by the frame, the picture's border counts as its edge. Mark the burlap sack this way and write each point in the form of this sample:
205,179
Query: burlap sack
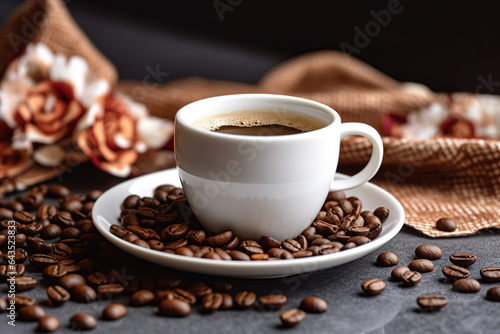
49,22
455,178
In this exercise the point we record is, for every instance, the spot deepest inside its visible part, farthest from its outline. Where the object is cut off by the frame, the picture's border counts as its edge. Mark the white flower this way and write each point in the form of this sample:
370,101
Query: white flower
425,123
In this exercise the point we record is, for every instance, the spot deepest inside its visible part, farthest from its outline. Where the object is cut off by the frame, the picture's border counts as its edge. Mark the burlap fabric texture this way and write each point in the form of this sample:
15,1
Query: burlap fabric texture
433,178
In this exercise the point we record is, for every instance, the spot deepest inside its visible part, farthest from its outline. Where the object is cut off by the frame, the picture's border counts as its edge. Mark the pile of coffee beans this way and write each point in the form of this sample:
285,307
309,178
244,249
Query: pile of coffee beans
55,236
456,274
166,223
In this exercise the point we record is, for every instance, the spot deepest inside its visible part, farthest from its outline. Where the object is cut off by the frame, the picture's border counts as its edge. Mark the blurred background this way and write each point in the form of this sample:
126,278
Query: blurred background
446,45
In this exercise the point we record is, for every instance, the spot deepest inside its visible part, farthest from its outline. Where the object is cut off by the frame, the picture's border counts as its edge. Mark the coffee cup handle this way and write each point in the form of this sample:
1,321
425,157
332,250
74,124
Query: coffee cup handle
348,129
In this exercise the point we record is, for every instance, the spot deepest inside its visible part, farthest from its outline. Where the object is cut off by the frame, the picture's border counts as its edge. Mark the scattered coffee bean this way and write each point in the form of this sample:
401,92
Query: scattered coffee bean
397,273
212,301
83,321
373,286
446,225
83,293
174,308
467,285
411,278
114,312
57,294
48,324
273,302
314,305
244,299
454,273
421,265
227,301
429,252
432,302
490,274
387,259
3,305
71,280
493,294
23,283
30,313
463,259
142,297
292,317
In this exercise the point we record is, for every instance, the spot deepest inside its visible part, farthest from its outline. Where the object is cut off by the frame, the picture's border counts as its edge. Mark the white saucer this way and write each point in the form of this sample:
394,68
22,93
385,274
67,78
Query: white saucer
106,212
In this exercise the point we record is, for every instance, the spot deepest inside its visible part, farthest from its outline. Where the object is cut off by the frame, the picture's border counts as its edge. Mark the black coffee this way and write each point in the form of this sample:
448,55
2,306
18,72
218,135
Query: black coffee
260,122
262,130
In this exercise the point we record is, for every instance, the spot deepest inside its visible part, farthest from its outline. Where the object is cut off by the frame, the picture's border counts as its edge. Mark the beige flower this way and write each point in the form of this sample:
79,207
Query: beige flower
115,140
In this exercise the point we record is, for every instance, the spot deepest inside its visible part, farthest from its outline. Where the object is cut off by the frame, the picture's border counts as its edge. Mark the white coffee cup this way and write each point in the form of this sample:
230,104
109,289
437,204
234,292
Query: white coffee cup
263,185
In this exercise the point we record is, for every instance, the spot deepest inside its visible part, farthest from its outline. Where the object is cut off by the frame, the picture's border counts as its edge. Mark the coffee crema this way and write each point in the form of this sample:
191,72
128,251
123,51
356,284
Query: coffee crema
260,122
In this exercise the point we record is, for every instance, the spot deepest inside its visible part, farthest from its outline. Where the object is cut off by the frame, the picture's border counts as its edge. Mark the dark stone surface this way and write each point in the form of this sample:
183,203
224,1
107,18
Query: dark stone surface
394,311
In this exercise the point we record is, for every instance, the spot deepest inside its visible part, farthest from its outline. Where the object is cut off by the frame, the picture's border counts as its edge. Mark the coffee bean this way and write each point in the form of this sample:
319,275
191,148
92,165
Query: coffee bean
273,302
238,256
292,317
114,312
8,270
387,259
57,190
174,308
430,252
30,313
97,279
212,301
314,305
57,294
490,274
446,225
184,295
83,293
397,273
453,273
463,259
70,233
3,305
6,214
302,253
227,301
23,217
421,265
280,253
48,324
198,289
20,255
111,289
244,299
411,278
51,231
358,240
373,286
493,294
382,213
130,202
432,302
195,236
467,285
219,239
71,280
23,283
83,321
177,244
251,247
326,228
20,301
13,206
61,251
142,297
174,231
